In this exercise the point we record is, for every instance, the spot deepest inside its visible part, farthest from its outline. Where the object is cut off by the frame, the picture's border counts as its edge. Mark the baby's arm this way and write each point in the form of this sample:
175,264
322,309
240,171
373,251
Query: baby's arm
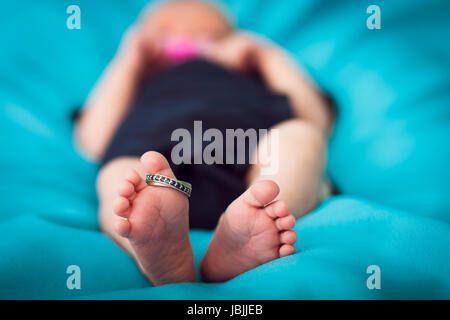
282,75
245,52
113,95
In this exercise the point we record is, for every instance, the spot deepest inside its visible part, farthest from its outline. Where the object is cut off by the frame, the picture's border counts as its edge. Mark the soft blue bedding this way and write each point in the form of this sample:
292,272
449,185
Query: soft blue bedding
389,154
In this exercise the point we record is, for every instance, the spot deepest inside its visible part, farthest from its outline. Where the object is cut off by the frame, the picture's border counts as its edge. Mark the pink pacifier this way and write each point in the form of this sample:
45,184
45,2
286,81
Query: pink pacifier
178,49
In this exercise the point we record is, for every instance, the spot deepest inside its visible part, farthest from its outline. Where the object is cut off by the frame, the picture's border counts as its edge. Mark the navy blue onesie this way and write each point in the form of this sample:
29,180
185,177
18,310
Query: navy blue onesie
198,90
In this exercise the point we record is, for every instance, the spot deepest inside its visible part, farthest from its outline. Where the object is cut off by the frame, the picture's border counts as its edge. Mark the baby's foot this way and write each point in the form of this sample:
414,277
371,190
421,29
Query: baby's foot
155,220
252,231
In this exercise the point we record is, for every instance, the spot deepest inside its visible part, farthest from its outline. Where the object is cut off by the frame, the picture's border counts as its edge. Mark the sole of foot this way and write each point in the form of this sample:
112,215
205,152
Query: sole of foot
254,230
155,221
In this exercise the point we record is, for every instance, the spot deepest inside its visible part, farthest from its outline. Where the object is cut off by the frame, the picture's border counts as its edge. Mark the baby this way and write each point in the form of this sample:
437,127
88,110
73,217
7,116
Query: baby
183,62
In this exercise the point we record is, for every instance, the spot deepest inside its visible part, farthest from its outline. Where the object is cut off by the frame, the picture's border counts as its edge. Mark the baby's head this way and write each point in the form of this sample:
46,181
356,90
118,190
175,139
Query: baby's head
188,19
185,28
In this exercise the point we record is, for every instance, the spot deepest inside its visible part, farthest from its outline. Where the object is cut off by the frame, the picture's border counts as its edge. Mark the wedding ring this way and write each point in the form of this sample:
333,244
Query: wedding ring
163,181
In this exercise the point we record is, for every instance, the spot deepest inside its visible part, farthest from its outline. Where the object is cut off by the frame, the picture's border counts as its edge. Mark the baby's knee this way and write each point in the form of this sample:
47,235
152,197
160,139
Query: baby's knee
302,134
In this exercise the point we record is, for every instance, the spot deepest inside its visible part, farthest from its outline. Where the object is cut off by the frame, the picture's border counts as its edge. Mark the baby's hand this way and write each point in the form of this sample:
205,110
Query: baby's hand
139,50
237,51
244,51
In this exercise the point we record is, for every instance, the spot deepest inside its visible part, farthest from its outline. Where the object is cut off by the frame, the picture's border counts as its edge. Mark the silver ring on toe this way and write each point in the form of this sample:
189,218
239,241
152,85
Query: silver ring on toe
163,181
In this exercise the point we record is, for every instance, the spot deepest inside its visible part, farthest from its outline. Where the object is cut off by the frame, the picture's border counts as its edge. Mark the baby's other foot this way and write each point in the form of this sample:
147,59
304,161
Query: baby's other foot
155,221
252,231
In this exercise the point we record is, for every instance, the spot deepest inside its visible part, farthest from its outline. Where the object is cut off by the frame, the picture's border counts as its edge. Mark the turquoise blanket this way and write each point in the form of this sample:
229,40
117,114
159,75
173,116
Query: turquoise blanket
388,156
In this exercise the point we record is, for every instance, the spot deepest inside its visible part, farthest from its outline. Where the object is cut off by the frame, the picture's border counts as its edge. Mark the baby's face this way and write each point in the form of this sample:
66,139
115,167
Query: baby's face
187,19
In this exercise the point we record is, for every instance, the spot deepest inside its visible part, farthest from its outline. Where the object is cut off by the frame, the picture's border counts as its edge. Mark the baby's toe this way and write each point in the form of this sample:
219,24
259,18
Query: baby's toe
285,223
277,209
122,227
127,189
154,162
288,237
135,179
121,206
286,250
260,193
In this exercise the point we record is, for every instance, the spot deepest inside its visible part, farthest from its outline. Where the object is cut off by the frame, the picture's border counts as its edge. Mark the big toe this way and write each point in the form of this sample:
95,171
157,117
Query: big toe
155,162
261,193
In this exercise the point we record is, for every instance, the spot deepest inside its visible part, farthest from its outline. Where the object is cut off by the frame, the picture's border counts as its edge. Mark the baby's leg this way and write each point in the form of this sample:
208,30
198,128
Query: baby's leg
300,163
256,229
149,222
